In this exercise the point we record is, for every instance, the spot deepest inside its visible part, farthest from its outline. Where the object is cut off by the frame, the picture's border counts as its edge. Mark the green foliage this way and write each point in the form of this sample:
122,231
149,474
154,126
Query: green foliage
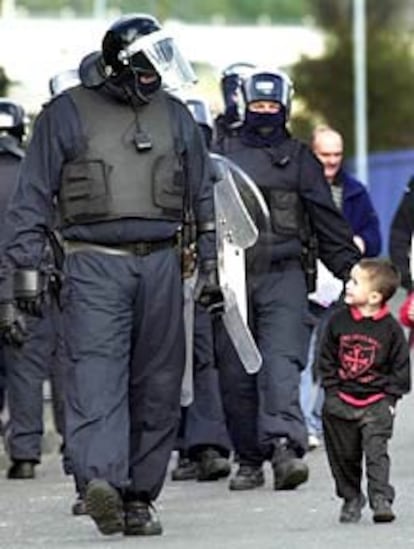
4,83
39,7
326,87
235,11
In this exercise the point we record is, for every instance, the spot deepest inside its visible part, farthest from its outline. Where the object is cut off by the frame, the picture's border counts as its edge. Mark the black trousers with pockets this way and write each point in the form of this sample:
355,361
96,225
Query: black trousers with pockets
352,435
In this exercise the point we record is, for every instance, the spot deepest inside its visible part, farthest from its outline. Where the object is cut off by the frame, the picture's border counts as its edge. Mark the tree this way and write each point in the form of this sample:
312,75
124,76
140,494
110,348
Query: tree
234,11
4,82
325,85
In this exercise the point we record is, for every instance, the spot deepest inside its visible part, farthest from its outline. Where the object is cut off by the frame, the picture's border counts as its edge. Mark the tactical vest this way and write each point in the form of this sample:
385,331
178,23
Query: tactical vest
276,171
114,177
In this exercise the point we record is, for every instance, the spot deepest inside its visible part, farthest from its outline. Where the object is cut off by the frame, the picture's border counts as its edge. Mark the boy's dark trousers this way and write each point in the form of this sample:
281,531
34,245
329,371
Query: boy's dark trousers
352,433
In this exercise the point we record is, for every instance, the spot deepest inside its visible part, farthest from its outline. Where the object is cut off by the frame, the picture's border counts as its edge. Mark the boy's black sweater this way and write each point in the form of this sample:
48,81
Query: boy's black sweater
363,356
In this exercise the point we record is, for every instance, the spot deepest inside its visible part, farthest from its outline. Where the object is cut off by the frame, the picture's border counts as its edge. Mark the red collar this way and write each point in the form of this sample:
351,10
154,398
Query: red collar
381,313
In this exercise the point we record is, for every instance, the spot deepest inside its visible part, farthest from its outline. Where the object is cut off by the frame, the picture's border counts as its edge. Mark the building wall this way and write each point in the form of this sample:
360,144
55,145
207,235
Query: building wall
389,173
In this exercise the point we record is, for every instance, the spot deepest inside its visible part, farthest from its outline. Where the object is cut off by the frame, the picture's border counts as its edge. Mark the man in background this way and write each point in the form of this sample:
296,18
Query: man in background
352,199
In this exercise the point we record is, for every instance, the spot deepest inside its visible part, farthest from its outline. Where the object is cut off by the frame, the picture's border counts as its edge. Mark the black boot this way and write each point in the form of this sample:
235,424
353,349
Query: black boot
247,477
79,507
351,509
212,465
184,470
22,469
141,519
289,471
104,504
382,510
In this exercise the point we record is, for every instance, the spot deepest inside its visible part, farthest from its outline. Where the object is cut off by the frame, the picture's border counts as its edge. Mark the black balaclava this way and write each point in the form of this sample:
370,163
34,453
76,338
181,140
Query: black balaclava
129,78
264,129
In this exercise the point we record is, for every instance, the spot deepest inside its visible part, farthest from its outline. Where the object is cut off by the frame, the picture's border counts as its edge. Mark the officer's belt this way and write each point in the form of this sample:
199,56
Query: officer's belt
133,248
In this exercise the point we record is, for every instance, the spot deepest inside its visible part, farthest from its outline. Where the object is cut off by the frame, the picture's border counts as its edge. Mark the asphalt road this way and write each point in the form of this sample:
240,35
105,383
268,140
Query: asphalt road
36,513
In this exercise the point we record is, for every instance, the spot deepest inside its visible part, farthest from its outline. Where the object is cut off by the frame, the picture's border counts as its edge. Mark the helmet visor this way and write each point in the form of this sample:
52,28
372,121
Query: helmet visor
164,55
267,86
6,121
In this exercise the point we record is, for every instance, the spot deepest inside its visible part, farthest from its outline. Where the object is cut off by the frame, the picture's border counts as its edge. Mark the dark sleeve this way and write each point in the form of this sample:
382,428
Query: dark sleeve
327,360
336,247
199,174
399,379
369,228
31,209
401,229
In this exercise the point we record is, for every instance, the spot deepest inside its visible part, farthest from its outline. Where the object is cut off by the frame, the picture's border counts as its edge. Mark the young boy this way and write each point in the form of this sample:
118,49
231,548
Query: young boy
365,369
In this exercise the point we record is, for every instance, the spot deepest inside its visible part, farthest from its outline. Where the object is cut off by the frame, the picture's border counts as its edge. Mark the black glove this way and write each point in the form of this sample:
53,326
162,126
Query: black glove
207,291
12,325
29,291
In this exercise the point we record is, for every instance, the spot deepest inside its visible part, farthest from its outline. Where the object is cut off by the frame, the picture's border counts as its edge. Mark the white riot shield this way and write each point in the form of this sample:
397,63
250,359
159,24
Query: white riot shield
236,232
187,384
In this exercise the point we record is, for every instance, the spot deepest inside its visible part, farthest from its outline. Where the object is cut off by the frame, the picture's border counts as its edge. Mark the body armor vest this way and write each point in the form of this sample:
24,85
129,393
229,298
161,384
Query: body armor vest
116,175
276,171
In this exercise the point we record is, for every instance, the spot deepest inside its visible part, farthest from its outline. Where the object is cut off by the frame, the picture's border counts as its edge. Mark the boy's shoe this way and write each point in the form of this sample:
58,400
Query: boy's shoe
141,519
184,470
104,504
247,477
382,510
351,509
212,465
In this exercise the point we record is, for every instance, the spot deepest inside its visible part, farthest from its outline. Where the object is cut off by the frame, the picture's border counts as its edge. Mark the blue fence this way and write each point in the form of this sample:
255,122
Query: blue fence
389,173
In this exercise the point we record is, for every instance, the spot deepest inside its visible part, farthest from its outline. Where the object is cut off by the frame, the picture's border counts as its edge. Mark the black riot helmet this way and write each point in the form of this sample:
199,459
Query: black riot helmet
230,82
12,119
124,33
263,85
137,45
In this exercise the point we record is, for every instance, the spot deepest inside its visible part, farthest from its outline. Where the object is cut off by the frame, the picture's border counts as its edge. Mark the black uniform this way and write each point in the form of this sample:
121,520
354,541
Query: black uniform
401,231
263,409
30,365
365,369
11,155
122,296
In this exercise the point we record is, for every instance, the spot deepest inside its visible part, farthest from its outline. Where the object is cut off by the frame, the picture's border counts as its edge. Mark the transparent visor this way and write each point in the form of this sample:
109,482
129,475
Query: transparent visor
64,80
6,120
200,111
166,58
238,69
267,87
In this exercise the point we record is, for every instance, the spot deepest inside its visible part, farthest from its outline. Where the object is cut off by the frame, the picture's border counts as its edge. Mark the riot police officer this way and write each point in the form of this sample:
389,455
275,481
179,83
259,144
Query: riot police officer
263,411
203,442
28,365
122,158
12,130
230,120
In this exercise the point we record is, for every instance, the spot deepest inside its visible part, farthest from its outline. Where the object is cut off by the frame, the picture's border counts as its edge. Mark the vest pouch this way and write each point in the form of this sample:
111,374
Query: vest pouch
168,184
285,213
84,195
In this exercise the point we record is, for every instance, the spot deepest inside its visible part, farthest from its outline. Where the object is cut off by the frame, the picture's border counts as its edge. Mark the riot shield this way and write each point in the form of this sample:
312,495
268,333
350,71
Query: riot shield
187,384
242,228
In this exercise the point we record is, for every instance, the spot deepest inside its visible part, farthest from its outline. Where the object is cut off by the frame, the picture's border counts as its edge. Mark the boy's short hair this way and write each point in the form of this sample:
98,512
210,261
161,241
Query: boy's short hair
383,274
